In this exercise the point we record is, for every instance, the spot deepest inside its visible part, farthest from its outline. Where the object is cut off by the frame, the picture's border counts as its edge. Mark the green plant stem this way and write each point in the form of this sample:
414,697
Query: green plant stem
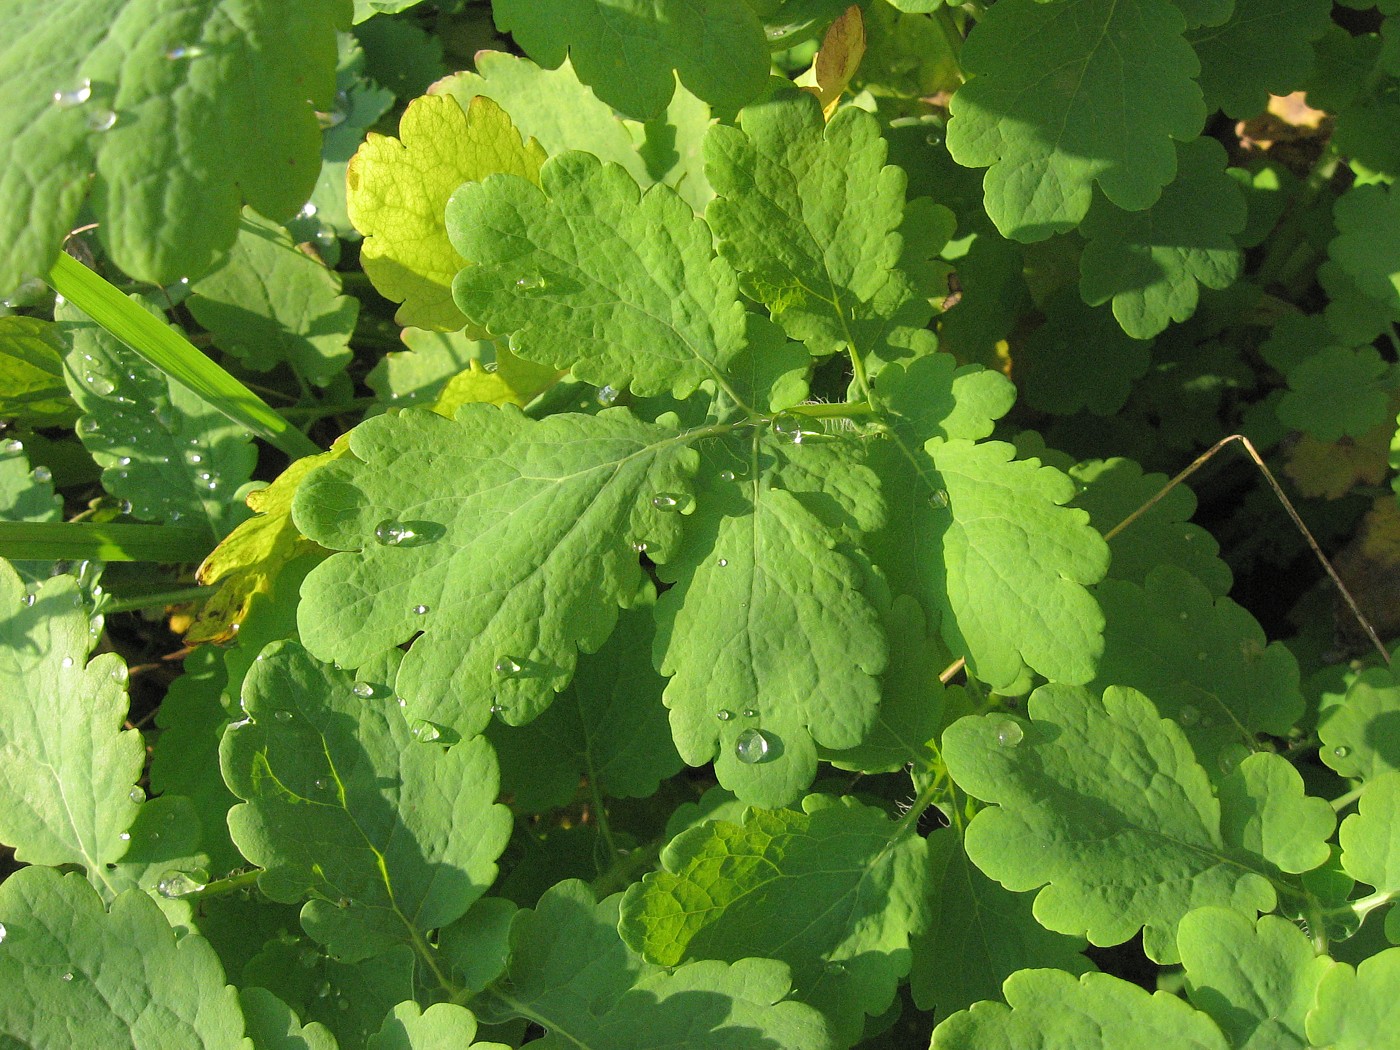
846,410
627,868
154,600
1341,802
223,887
310,413
151,338
600,816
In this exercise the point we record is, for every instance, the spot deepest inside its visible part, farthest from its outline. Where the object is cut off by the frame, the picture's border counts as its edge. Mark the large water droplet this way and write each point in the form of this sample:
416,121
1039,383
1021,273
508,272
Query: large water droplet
74,96
177,884
308,211
67,977
426,732
391,533
41,474
667,501
282,716
370,690
939,499
1010,733
724,715
608,395
788,427
750,746
136,795
66,662
100,120
14,446
507,666
531,283
98,383
726,475
1341,751
420,610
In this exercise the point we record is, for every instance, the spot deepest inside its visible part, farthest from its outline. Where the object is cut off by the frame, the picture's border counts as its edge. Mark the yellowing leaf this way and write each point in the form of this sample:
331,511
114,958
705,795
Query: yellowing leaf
511,381
250,557
397,190
836,63
1331,470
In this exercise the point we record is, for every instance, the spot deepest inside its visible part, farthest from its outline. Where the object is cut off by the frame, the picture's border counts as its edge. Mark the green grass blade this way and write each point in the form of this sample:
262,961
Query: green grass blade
85,540
174,355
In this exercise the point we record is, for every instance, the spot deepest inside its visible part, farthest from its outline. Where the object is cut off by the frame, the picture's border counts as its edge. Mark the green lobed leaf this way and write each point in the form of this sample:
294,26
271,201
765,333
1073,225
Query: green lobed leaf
1002,513
584,271
1079,359
67,768
527,549
771,642
571,973
809,213
1070,94
1102,803
1369,836
31,373
1357,1009
1050,1010
1363,271
396,190
1338,392
1203,660
268,304
608,725
979,935
148,115
1264,48
163,449
1150,262
26,495
1112,489
630,51
835,890
390,837
1358,734
273,1025
1257,980
76,974
1265,810
440,1026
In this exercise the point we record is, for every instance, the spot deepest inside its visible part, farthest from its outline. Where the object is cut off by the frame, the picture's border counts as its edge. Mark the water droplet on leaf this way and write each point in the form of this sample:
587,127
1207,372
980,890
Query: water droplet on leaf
1341,751
726,475
320,783
363,690
3,932
98,383
66,662
496,709
751,746
938,500
426,732
608,395
136,795
788,427
640,546
41,474
723,562
194,459
391,533
666,501
67,977
177,884
507,666
282,716
532,283
74,96
1189,716
750,712
1010,733
724,715
180,51
100,120
420,610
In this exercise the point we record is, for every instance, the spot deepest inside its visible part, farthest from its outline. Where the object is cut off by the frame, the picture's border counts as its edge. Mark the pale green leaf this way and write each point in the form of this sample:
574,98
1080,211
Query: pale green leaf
390,836
522,549
1359,734
67,768
1357,1009
76,974
1014,562
397,190
269,304
1363,271
1050,1010
1256,980
630,51
416,376
1338,393
149,115
1066,95
442,1026
585,271
772,644
1264,809
1102,803
1370,837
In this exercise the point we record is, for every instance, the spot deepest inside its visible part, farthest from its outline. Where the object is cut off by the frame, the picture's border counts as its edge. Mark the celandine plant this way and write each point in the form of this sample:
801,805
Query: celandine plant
685,549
